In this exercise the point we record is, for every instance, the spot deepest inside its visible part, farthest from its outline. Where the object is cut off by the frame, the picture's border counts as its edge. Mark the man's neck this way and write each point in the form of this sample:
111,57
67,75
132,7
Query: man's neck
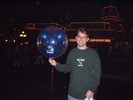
82,48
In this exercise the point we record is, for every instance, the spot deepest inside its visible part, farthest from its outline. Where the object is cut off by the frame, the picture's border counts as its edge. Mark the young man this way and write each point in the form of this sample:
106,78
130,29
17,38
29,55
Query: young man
84,65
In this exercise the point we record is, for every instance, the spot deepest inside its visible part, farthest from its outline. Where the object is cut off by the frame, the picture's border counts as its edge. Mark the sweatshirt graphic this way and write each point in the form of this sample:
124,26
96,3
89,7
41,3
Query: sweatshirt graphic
80,60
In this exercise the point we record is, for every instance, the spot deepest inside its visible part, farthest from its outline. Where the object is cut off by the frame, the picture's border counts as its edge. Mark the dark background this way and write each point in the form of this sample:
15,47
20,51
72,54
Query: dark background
62,11
33,82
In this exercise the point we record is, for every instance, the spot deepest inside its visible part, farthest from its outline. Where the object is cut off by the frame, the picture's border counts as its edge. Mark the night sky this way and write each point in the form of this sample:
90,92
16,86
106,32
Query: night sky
62,11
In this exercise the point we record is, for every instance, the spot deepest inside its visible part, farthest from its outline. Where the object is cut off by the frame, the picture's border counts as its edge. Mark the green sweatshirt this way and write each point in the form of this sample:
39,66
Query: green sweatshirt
85,71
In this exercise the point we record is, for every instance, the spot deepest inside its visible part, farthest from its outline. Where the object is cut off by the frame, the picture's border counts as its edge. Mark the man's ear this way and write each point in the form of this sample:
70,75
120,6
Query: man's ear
75,37
88,39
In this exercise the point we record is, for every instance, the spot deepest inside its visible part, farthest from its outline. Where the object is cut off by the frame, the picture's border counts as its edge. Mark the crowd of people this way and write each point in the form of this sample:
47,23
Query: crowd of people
18,55
21,55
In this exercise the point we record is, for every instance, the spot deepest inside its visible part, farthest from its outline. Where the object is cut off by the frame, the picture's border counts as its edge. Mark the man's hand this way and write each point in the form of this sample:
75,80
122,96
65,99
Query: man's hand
89,94
52,62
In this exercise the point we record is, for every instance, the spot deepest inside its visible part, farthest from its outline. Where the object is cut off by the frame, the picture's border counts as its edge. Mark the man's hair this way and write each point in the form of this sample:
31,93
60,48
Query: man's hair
83,30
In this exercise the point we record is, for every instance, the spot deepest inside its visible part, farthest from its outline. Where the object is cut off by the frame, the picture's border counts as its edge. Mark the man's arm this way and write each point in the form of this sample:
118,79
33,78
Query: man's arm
61,67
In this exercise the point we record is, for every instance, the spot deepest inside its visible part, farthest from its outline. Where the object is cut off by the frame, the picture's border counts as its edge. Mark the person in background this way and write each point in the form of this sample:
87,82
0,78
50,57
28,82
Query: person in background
84,65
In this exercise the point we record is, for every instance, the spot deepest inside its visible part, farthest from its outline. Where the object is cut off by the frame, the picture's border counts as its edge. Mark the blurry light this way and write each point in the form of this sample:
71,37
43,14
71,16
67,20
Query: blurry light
53,42
6,40
21,35
14,40
23,32
24,35
45,36
126,43
26,43
59,36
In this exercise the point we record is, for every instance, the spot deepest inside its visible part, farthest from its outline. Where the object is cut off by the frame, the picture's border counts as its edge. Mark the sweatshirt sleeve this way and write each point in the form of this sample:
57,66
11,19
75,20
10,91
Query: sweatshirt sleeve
96,73
66,67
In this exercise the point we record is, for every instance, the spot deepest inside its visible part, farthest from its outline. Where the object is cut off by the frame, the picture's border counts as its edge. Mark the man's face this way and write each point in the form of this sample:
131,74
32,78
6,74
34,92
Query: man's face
82,39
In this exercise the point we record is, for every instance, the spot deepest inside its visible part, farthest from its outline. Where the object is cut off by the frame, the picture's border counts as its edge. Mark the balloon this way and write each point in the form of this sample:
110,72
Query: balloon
52,42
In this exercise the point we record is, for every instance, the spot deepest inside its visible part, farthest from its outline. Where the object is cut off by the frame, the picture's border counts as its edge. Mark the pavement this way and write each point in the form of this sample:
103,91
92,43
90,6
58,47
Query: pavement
34,82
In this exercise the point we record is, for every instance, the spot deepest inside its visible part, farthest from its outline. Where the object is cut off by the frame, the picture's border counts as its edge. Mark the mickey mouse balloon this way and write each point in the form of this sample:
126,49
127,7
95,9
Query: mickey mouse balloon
52,42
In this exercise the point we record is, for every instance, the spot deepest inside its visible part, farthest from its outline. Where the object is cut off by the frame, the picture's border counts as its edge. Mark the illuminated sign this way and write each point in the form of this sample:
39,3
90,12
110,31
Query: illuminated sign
93,40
